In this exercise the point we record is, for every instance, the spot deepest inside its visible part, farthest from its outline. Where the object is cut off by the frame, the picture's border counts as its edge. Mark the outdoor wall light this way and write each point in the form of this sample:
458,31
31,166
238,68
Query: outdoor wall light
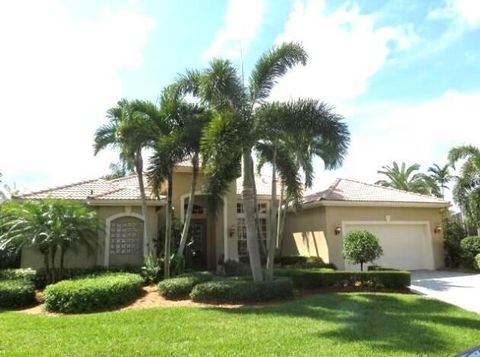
437,229
338,230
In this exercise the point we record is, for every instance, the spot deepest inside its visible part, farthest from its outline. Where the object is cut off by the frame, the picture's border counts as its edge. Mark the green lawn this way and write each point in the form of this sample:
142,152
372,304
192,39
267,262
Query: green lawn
327,324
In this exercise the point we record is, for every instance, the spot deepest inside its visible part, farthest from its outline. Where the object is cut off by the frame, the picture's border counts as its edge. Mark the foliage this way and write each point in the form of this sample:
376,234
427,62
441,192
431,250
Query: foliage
404,178
477,261
361,247
152,269
303,262
16,293
234,268
470,247
93,293
26,274
319,278
9,258
180,287
453,232
380,268
241,291
439,177
50,226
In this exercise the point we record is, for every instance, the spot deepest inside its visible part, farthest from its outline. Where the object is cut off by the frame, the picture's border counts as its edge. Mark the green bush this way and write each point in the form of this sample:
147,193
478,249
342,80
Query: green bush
303,262
380,268
181,286
453,233
477,261
93,293
310,278
470,247
152,269
241,291
16,293
18,274
234,268
360,247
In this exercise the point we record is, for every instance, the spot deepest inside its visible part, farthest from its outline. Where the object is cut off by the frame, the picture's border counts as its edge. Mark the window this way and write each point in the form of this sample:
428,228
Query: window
242,229
126,234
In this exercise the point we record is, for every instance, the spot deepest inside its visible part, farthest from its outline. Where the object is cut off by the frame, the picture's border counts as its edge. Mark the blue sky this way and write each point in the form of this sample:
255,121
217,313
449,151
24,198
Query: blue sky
404,74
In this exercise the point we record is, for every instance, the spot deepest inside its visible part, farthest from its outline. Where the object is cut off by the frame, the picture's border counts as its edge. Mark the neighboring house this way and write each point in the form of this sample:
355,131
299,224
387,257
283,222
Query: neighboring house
122,241
407,224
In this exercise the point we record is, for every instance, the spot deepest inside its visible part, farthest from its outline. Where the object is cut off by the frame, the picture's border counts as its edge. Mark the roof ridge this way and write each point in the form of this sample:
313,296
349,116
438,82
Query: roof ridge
393,189
55,188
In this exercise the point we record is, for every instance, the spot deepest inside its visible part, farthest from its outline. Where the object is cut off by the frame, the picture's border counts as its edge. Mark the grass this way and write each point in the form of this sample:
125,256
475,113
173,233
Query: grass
361,324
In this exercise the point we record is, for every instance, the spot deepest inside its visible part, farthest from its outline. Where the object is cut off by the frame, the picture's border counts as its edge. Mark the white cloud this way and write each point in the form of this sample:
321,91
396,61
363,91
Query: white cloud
414,133
465,13
345,50
242,21
59,74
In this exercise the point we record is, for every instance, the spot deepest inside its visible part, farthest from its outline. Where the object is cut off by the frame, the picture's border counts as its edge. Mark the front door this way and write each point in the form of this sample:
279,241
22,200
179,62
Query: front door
196,252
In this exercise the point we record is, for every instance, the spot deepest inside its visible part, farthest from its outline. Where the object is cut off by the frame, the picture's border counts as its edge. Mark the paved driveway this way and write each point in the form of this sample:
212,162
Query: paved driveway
460,289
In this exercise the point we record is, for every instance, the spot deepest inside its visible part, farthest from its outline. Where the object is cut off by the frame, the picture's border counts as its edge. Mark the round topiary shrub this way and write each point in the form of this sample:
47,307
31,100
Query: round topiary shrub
242,291
16,293
360,247
181,286
93,293
470,247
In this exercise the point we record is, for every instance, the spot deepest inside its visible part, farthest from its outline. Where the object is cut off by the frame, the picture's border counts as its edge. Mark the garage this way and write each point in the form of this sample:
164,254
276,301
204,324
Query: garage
405,245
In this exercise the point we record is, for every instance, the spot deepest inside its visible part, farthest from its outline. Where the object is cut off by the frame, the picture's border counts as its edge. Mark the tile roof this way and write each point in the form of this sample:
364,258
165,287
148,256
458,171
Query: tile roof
354,191
263,184
124,188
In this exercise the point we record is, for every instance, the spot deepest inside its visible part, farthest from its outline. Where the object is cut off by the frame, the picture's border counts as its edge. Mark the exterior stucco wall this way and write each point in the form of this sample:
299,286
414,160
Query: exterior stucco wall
321,222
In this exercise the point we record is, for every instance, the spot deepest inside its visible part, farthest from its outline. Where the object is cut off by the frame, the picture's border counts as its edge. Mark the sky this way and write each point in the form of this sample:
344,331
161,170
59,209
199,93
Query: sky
405,75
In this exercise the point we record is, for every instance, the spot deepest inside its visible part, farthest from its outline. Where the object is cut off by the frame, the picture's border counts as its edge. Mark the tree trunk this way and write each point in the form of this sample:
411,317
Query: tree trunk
139,169
279,232
191,201
47,267
361,266
62,260
248,206
273,220
168,227
261,238
53,253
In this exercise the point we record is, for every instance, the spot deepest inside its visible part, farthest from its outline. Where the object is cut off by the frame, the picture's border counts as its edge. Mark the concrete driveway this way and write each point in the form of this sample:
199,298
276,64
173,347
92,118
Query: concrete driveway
460,289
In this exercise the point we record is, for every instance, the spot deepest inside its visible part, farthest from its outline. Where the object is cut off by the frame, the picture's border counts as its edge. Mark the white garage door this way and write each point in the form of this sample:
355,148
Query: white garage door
405,246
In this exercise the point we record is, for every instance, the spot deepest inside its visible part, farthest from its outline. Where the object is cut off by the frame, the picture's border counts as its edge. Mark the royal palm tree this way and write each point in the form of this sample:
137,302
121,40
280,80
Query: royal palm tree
404,178
466,191
440,177
132,126
293,134
229,139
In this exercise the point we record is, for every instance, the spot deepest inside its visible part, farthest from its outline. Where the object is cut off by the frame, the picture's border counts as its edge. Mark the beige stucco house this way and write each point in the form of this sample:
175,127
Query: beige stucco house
408,225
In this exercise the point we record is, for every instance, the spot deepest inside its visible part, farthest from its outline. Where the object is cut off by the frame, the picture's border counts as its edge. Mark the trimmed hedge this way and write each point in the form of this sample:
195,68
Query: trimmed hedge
18,274
181,286
93,293
380,268
241,291
16,293
303,262
234,268
470,247
310,278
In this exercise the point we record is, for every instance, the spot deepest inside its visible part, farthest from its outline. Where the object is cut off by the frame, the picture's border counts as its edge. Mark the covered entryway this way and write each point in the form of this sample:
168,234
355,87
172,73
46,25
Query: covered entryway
406,245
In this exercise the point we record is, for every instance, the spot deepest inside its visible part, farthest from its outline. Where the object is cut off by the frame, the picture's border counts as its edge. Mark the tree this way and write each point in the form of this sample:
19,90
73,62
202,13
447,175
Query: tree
230,137
51,227
118,170
360,247
132,126
404,178
292,135
440,177
466,192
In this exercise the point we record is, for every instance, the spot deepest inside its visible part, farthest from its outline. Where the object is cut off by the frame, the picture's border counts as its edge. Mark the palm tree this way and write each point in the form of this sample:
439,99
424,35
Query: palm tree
132,126
293,134
229,139
466,191
440,177
404,178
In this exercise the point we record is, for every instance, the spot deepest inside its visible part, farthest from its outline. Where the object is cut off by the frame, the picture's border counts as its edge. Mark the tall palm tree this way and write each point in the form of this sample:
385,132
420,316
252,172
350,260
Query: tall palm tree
229,139
293,134
404,178
440,176
132,126
466,191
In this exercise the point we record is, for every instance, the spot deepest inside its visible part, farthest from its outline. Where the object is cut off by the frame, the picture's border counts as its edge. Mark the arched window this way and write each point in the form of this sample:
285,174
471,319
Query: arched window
126,238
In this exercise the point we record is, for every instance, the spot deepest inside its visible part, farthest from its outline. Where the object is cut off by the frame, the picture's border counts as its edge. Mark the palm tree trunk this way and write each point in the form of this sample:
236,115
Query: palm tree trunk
53,253
47,267
168,227
62,259
191,200
279,221
261,238
248,206
281,224
273,219
139,169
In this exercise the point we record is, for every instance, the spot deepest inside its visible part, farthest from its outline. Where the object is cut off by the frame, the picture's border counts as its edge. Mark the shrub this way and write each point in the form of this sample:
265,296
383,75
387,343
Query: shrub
360,247
291,260
16,293
93,293
379,268
18,274
453,233
181,286
477,261
152,270
310,278
304,262
470,247
241,291
234,268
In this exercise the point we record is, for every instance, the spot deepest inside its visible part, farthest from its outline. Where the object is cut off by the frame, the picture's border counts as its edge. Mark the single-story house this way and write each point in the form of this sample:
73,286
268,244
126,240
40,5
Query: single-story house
408,225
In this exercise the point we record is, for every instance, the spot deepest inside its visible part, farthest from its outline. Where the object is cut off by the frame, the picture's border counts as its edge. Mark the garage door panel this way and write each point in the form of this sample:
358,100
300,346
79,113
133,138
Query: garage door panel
405,246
